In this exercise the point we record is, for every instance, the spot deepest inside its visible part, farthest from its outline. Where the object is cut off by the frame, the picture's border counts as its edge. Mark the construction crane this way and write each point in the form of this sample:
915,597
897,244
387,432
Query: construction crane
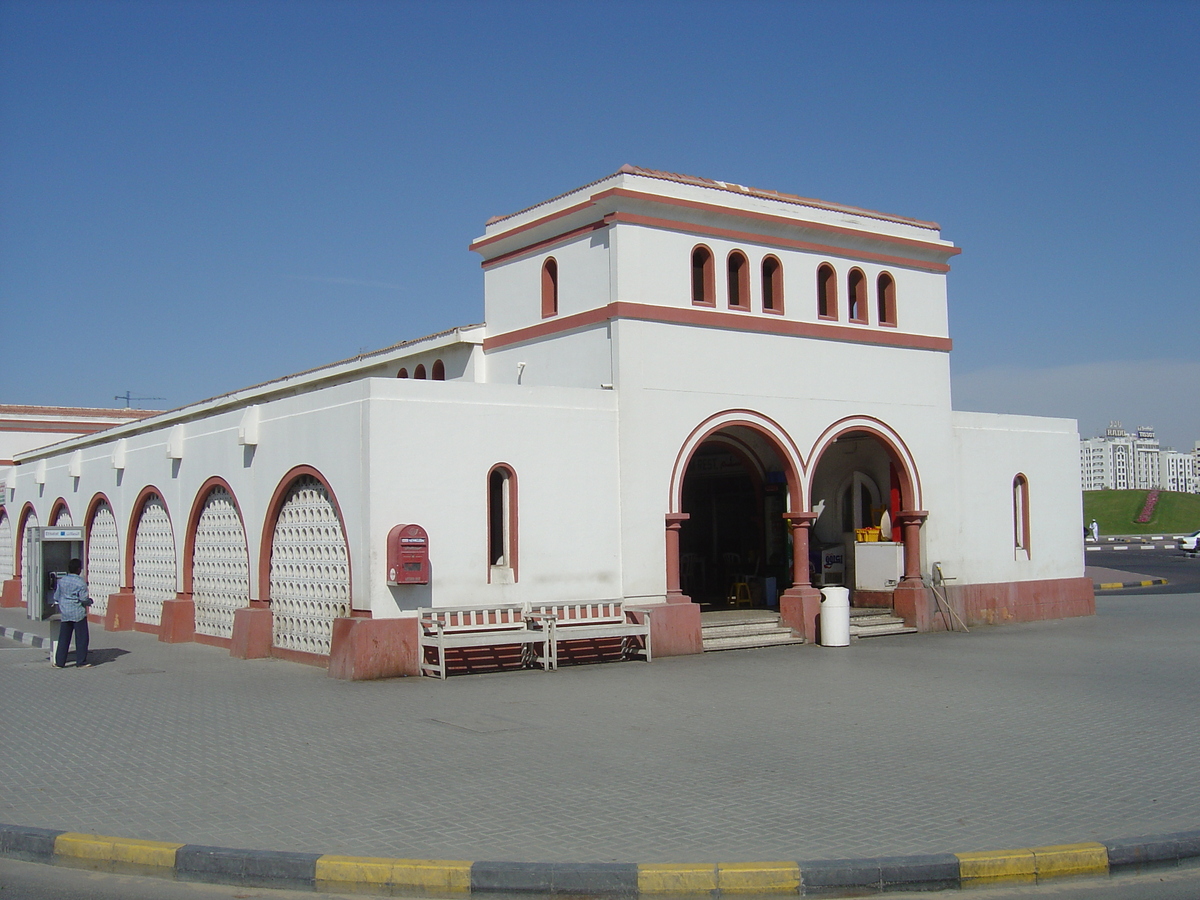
129,401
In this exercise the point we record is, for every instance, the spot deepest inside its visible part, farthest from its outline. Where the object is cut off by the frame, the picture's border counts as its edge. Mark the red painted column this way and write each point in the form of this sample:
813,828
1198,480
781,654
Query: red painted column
800,604
910,525
911,600
10,594
674,591
675,625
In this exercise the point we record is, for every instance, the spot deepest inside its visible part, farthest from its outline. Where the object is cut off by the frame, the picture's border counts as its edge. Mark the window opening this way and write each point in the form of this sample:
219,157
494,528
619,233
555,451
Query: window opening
772,285
439,370
703,286
885,289
550,287
502,518
827,292
419,372
1021,516
739,280
403,373
856,288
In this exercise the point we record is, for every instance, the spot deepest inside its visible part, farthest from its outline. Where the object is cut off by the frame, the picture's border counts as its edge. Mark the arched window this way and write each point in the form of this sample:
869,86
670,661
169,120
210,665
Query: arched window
772,285
856,290
738,271
419,372
885,289
549,287
1020,490
502,525
403,373
439,370
827,307
704,289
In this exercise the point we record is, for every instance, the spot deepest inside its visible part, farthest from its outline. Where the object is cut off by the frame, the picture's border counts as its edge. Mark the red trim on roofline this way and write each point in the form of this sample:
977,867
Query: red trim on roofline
718,319
775,219
34,426
738,236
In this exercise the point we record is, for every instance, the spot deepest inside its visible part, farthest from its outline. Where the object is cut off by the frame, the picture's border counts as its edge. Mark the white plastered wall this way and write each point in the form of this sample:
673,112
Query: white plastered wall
431,448
990,451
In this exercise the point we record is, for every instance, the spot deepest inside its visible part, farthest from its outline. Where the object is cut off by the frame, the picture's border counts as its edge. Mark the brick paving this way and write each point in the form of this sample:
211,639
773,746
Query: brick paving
1022,735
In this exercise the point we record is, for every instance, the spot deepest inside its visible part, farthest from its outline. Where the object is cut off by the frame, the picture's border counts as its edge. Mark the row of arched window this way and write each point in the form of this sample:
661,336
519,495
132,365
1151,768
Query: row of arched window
436,373
737,273
857,306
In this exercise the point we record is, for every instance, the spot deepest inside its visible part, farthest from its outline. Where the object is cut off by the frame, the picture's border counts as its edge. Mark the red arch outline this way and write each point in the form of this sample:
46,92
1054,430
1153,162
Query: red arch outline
189,538
794,467
893,444
88,516
135,518
22,521
55,507
272,517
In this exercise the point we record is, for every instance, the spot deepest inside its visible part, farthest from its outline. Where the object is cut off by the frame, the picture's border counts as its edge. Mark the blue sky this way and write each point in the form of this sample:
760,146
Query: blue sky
198,196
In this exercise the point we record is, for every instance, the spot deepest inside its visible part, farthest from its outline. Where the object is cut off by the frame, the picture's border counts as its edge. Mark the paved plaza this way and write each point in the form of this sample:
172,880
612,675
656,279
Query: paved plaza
1016,736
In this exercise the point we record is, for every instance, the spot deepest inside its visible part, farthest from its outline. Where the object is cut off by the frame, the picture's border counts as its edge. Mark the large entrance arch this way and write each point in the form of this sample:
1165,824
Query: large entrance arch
736,480
864,477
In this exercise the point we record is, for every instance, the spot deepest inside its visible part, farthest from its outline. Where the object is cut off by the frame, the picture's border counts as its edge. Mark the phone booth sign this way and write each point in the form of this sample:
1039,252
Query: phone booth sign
407,555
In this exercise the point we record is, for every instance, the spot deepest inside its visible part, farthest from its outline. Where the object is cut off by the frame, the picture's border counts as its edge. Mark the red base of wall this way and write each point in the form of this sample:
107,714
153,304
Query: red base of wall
363,649
212,640
674,628
798,609
178,620
251,633
1020,601
10,595
299,656
118,616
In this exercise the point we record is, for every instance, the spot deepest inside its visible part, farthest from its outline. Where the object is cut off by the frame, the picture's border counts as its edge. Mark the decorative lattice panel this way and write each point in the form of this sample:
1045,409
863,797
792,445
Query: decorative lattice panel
6,549
153,563
220,566
30,522
310,572
104,558
63,519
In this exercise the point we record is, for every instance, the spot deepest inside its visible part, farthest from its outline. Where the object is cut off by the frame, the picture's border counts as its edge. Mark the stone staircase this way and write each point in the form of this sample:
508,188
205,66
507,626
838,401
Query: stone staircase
740,629
871,622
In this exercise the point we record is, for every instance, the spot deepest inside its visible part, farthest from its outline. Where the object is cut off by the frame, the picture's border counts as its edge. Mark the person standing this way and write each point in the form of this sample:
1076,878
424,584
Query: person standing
1095,530
71,595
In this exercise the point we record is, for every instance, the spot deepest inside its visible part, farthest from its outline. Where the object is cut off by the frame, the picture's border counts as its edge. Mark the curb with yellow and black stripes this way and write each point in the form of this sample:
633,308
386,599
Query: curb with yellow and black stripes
1118,585
265,868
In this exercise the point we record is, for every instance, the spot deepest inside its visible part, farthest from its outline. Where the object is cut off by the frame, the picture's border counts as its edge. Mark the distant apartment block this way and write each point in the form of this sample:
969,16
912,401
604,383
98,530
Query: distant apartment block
1134,461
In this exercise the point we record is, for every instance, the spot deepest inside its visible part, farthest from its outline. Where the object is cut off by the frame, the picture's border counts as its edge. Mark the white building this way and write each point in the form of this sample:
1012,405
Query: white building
1123,461
680,382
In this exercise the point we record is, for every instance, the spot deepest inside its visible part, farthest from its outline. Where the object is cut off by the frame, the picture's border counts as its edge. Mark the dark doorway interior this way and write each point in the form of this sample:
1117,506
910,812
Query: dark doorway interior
734,549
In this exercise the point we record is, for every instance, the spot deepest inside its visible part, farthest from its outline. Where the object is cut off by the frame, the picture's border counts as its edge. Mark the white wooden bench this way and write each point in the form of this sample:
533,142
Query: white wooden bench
451,627
591,619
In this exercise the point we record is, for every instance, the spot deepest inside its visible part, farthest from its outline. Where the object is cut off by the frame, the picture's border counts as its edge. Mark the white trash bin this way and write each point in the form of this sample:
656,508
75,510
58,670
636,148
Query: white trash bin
835,616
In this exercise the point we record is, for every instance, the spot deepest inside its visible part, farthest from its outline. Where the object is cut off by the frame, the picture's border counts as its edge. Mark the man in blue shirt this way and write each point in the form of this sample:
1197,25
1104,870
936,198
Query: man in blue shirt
71,595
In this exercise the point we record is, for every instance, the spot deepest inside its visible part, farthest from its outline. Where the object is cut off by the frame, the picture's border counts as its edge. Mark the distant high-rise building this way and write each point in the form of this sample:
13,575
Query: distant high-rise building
1120,460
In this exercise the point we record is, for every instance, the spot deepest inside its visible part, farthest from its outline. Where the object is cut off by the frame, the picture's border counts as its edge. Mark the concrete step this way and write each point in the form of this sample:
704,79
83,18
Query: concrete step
716,631
749,641
897,627
879,619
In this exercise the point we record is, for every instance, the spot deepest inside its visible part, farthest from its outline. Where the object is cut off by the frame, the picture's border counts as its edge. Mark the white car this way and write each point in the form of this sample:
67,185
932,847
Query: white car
1190,542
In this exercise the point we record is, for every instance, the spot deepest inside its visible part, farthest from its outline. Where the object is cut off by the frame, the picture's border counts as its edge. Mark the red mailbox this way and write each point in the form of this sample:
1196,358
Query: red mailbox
408,555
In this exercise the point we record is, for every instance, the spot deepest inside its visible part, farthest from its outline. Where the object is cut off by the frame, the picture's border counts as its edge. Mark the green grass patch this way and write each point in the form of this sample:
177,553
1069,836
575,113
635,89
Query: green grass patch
1115,511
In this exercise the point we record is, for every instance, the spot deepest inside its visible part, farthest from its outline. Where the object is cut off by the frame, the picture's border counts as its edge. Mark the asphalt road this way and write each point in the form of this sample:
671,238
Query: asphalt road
37,881
1181,571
